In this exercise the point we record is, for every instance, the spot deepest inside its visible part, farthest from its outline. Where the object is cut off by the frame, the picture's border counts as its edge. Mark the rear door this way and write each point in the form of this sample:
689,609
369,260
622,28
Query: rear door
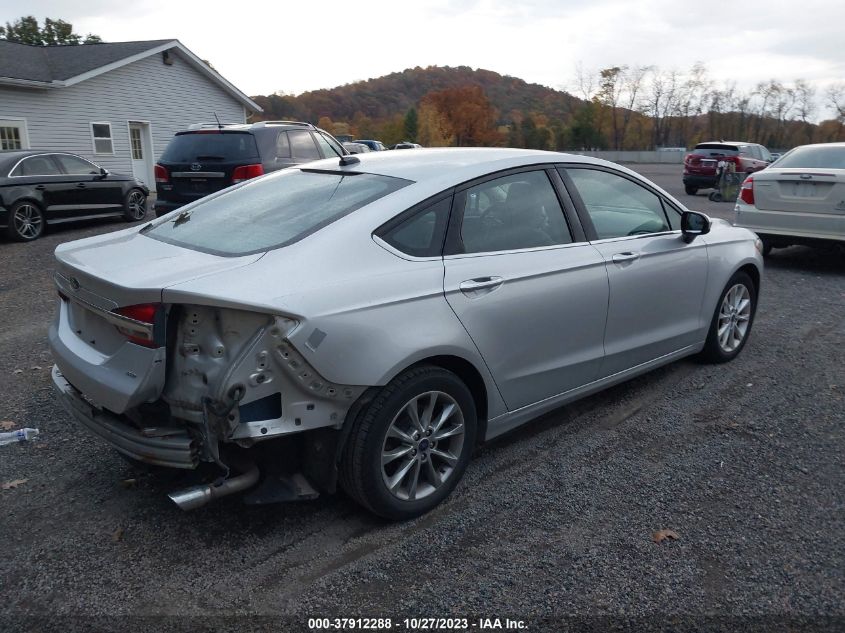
657,280
530,292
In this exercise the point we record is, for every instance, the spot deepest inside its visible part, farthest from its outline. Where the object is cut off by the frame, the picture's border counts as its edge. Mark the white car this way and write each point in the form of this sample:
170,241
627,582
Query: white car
800,199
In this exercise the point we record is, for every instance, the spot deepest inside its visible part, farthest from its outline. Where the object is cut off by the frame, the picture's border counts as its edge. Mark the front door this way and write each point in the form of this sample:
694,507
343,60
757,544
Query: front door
533,300
141,156
657,280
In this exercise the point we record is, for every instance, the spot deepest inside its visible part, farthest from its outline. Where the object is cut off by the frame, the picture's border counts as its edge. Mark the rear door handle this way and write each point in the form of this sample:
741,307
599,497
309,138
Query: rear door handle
80,185
40,187
621,258
480,283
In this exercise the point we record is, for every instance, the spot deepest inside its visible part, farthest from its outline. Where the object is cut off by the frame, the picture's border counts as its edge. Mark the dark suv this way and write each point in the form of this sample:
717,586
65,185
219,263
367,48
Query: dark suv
209,157
701,164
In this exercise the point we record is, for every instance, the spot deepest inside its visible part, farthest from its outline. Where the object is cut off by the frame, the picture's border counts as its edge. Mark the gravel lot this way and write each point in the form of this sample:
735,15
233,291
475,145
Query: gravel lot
743,461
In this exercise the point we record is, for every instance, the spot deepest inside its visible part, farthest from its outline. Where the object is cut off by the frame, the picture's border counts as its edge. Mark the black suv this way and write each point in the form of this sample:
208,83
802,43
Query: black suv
209,157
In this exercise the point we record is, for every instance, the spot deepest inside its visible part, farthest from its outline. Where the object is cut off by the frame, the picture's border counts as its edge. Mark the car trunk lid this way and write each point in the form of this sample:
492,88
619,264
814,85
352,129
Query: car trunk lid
816,191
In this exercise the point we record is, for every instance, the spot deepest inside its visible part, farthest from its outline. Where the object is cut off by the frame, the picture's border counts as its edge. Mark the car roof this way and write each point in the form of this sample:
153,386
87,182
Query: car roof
458,163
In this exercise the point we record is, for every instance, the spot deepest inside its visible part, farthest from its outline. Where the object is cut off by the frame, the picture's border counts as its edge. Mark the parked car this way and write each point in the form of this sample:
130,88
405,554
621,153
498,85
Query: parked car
375,146
210,157
383,314
799,200
406,145
356,148
701,164
40,188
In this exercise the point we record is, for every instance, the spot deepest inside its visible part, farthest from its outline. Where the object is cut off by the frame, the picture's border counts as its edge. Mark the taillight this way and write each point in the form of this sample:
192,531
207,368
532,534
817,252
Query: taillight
746,191
245,172
687,159
161,174
138,324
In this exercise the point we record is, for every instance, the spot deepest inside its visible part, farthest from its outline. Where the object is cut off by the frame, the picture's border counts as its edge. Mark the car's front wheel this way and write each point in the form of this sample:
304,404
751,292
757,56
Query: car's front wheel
135,206
26,221
691,191
732,320
409,447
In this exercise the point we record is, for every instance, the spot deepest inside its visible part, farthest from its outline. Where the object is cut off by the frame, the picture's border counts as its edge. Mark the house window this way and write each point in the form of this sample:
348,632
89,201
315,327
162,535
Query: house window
102,138
13,134
135,140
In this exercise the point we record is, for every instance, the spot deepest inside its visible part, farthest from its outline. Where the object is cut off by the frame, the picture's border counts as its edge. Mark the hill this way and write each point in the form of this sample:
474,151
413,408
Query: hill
395,93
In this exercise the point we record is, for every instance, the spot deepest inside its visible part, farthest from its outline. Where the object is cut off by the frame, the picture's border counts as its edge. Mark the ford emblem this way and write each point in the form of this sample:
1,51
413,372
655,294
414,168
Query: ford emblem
195,166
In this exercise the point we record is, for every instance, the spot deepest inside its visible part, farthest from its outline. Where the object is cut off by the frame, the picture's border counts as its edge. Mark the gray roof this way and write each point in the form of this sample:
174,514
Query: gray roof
59,63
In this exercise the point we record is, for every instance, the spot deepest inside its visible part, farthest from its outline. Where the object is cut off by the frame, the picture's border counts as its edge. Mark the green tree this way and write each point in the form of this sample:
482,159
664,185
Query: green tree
26,30
411,125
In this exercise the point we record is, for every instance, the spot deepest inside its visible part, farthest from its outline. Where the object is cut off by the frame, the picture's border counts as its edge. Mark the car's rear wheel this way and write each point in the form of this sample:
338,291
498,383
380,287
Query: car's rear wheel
409,447
26,221
732,320
135,206
691,191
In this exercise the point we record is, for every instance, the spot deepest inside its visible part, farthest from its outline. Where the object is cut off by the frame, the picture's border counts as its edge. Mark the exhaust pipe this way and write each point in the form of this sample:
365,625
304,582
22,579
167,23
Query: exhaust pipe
198,496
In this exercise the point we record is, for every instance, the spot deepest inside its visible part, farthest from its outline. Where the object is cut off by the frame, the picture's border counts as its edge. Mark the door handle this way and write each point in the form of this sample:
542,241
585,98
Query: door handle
40,187
621,258
480,283
80,185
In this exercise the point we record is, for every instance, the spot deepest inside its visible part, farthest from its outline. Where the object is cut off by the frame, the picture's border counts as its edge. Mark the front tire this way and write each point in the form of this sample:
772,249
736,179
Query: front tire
690,190
410,446
732,320
26,221
135,206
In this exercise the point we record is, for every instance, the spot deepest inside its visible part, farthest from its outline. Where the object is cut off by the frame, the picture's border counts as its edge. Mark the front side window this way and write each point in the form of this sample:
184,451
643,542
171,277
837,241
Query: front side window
513,212
37,166
302,145
328,148
271,212
102,138
618,207
75,165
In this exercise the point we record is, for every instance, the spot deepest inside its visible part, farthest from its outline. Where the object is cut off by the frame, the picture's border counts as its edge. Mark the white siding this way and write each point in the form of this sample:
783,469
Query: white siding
169,97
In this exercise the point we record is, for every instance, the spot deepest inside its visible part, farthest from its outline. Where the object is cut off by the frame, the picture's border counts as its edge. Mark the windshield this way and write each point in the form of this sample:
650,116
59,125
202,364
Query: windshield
271,212
815,157
186,148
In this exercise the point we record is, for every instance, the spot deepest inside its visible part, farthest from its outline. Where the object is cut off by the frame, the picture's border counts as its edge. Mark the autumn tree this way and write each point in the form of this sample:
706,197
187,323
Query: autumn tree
468,115
411,125
433,128
26,30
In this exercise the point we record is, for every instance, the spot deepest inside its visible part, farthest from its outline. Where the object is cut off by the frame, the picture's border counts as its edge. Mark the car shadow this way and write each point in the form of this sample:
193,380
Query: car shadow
808,259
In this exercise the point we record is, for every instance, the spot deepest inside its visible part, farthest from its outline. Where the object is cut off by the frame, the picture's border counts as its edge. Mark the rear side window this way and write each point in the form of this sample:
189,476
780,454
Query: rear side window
37,166
282,146
272,212
213,146
423,233
302,145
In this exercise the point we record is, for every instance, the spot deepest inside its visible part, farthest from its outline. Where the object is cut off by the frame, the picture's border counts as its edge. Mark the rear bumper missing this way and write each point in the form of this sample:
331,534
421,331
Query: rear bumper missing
176,450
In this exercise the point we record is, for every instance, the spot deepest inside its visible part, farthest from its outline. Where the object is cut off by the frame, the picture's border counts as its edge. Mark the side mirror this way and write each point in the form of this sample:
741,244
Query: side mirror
694,224
104,172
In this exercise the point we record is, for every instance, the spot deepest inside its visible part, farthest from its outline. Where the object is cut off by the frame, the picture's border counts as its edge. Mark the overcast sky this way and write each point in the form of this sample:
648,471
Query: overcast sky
263,47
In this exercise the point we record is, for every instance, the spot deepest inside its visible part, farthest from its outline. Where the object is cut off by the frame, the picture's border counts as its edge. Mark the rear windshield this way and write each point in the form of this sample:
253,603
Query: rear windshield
271,212
199,146
814,157
716,149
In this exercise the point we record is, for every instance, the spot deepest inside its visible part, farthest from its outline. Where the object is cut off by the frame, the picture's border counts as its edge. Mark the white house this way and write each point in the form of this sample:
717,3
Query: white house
116,104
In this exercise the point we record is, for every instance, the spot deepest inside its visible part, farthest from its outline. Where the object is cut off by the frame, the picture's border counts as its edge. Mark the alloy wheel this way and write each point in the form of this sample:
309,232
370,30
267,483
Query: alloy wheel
734,317
28,221
137,204
422,445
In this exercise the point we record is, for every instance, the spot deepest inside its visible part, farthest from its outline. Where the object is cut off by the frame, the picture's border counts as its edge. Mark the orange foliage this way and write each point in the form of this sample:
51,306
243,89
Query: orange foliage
466,114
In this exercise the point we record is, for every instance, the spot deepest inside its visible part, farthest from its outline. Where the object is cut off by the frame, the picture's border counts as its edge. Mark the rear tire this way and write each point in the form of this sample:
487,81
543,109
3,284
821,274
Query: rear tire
691,191
135,206
410,446
732,320
26,221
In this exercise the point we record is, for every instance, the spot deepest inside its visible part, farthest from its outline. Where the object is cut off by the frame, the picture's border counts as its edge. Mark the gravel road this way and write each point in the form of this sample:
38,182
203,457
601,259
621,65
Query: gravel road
744,462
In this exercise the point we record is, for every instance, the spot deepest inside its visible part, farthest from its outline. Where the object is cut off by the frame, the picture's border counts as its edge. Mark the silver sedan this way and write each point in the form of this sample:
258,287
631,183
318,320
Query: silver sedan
375,318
